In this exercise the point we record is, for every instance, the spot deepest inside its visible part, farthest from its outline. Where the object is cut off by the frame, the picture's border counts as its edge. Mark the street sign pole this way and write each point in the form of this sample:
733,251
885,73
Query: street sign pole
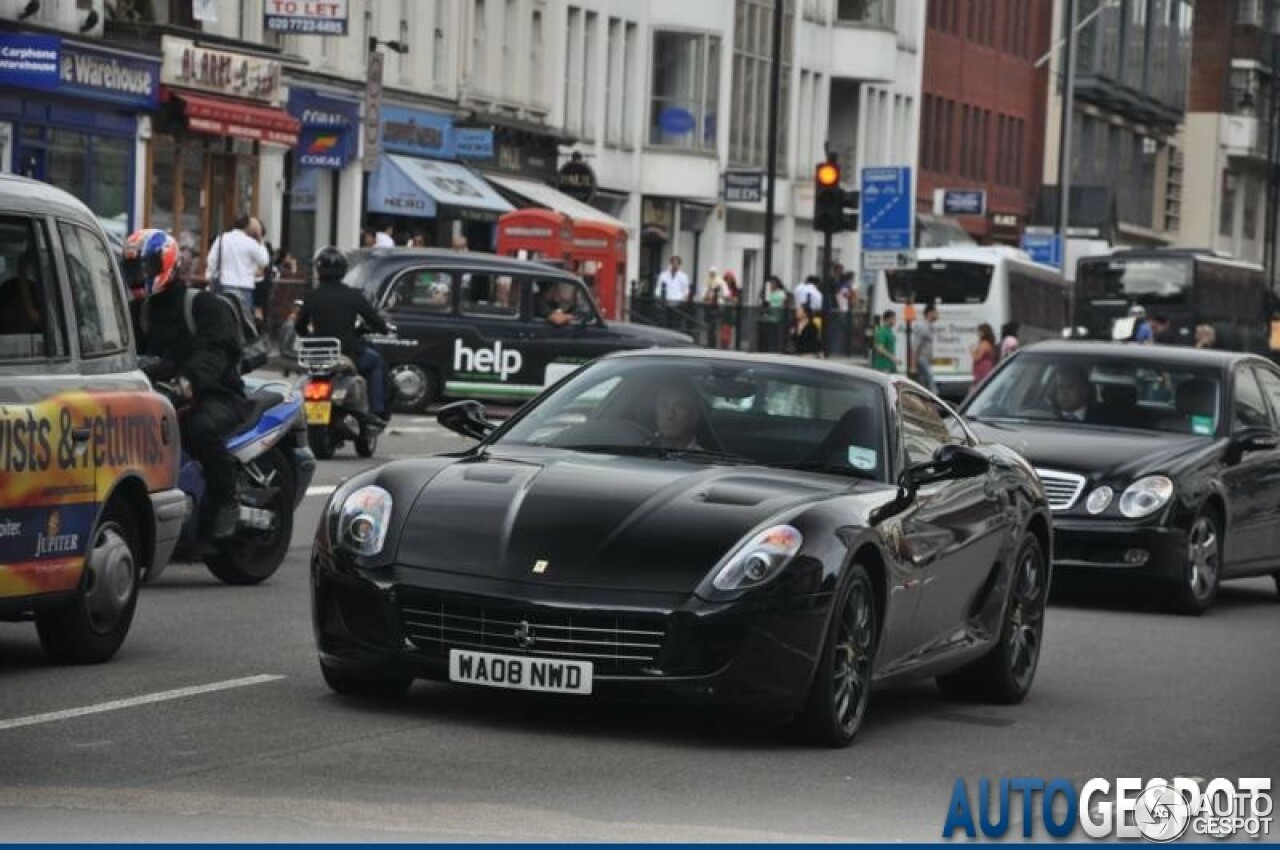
775,83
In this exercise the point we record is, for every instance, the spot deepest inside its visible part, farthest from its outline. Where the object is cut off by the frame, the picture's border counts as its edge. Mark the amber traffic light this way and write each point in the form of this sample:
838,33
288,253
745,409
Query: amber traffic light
834,209
828,174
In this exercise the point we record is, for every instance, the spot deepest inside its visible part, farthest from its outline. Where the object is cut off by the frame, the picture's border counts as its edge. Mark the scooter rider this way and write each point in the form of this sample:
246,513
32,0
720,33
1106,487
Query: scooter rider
331,309
203,367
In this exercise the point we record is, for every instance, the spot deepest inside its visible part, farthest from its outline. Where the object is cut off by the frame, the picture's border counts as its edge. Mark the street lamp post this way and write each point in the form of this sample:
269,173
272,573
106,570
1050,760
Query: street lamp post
1064,138
771,167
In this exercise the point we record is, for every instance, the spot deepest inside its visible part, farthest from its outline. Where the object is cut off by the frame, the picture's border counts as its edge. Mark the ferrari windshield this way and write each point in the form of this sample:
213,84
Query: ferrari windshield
1122,393
716,412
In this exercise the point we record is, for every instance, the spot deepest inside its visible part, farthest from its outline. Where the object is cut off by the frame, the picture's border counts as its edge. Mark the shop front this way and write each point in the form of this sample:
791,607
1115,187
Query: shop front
421,191
220,136
327,145
70,114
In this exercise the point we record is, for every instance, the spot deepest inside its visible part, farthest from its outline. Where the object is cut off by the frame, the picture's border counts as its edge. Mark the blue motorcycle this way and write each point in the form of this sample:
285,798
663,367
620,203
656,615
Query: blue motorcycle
275,467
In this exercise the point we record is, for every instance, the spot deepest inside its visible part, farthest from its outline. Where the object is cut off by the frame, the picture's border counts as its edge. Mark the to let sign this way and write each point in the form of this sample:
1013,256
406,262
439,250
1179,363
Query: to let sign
306,17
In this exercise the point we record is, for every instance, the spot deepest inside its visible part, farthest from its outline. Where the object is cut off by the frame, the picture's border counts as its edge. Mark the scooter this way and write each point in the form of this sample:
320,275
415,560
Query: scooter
274,469
337,399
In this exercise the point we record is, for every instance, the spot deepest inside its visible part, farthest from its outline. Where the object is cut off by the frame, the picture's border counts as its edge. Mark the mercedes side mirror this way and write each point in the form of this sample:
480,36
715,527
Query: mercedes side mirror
466,418
949,463
1255,439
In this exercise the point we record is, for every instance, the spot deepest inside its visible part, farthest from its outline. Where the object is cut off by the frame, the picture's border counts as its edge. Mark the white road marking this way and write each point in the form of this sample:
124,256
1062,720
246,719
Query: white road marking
321,489
133,702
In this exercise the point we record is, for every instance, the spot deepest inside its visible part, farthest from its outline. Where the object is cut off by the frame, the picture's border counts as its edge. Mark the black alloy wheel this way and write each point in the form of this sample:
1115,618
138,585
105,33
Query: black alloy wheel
1005,674
841,689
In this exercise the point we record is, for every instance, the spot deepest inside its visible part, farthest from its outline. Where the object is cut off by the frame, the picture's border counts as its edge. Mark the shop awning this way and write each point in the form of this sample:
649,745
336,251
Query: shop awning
543,195
222,117
407,185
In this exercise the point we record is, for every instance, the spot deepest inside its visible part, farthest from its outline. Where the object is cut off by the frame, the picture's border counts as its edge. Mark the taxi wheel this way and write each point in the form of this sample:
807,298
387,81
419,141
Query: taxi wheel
416,387
92,626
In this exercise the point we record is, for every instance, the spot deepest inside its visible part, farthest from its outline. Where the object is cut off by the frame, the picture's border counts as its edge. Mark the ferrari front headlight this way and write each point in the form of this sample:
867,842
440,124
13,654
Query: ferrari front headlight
364,519
1146,496
759,559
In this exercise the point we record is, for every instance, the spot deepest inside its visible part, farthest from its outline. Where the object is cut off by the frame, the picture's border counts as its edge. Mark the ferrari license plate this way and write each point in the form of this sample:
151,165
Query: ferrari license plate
549,675
318,412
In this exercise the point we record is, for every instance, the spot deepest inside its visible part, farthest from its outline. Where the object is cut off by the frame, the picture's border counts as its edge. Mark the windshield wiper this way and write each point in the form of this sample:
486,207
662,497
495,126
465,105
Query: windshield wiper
833,468
660,452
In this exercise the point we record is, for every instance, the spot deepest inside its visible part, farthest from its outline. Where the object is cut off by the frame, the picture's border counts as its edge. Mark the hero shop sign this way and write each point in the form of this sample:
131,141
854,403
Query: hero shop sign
307,17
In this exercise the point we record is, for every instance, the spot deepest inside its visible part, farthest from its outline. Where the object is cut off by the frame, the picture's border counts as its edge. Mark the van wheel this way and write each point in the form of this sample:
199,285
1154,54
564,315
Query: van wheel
92,626
253,556
321,442
416,387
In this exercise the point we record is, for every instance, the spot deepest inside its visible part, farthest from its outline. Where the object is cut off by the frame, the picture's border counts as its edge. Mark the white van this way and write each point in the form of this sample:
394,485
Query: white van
972,284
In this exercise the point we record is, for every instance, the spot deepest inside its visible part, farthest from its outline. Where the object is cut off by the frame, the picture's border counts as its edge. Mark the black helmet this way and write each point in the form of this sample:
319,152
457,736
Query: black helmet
330,264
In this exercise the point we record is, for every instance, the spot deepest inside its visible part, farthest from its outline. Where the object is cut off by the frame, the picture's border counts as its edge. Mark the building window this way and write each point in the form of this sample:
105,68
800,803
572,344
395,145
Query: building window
1250,218
752,64
631,55
537,93
479,35
591,79
437,44
684,97
1227,211
573,86
510,66
867,13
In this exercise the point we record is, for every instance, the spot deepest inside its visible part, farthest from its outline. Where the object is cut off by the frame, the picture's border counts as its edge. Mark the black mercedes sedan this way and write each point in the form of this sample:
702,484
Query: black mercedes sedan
775,533
1160,462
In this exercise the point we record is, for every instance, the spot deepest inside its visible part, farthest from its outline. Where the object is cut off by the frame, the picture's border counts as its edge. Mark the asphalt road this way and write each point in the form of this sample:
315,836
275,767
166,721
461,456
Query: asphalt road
258,749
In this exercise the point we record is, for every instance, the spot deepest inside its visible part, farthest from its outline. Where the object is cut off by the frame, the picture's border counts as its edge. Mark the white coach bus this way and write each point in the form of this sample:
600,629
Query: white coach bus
972,284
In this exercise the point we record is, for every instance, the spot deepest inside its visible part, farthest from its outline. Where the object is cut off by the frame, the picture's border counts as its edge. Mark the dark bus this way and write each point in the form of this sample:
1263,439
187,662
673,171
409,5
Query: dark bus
1188,287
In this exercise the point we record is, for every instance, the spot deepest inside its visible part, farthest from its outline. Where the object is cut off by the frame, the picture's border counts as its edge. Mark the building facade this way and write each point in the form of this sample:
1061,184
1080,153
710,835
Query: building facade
637,108
983,110
1127,165
1229,135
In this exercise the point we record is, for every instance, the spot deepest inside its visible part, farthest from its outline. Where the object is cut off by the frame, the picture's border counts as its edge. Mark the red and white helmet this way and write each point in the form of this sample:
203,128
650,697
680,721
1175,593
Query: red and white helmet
150,259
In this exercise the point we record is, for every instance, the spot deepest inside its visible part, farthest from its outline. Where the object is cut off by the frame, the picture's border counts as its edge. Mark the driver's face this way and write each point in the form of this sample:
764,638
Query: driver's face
677,414
1071,392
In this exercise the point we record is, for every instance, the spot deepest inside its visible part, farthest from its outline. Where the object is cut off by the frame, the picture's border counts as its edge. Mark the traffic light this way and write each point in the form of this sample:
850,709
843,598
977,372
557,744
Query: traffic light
828,199
834,209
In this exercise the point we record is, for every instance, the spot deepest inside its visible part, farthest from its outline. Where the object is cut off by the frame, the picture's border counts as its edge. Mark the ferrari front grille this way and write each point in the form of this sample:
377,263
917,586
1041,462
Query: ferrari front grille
614,642
1061,488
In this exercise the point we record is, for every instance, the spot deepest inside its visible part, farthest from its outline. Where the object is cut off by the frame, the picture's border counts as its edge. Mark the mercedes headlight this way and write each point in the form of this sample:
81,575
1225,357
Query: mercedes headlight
363,520
1099,500
759,559
1146,496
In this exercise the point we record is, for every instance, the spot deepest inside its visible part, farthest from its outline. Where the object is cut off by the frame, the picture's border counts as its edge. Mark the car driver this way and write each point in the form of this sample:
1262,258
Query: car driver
552,307
1071,394
678,415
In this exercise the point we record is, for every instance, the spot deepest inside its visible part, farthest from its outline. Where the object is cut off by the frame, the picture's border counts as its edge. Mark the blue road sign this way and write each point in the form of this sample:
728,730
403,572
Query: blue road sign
887,209
1045,248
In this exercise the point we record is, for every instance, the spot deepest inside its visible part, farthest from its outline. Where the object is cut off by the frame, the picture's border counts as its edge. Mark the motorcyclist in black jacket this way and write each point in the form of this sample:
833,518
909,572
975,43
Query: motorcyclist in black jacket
203,367
331,309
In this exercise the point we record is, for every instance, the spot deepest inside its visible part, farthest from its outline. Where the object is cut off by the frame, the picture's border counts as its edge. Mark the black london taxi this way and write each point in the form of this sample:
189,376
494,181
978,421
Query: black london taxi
482,326
89,454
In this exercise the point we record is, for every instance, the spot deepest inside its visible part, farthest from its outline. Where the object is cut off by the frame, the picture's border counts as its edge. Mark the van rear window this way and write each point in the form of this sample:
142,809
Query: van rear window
941,281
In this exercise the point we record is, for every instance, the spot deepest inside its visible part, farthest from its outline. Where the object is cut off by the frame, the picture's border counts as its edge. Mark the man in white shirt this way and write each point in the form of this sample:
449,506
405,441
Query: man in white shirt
673,284
384,239
238,258
809,294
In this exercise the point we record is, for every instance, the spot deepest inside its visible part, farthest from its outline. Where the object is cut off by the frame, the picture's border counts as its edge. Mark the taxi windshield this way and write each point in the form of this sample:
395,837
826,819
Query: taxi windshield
686,409
1145,396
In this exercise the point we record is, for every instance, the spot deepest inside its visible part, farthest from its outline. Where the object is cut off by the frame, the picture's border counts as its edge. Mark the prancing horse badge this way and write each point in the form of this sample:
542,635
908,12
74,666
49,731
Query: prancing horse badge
539,567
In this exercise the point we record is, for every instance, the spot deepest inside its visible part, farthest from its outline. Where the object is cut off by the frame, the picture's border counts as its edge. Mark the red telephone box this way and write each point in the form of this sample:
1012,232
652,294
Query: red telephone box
541,234
598,254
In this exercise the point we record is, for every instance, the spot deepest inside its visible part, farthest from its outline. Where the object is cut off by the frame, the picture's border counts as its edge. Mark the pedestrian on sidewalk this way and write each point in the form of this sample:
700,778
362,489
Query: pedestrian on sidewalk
984,353
884,349
236,260
1009,339
806,341
924,349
